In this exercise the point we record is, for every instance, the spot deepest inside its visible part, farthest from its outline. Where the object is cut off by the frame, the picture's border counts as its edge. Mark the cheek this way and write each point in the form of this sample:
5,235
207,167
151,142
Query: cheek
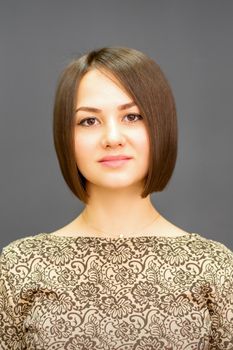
142,142
84,148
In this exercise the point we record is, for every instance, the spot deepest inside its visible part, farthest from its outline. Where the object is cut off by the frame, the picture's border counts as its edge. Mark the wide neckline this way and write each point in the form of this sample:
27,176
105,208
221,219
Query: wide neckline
186,236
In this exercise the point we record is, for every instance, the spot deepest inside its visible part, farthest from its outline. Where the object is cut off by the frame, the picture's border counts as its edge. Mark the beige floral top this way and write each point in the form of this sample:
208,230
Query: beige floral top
140,293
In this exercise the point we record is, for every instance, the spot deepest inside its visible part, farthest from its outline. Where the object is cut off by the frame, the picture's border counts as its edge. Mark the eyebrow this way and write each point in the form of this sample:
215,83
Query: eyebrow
97,110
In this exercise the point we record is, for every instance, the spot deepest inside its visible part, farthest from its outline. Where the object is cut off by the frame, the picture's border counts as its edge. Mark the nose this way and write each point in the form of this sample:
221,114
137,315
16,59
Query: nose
113,133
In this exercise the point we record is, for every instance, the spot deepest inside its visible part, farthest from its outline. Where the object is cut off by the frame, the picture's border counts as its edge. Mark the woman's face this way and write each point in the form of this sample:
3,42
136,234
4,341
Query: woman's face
109,132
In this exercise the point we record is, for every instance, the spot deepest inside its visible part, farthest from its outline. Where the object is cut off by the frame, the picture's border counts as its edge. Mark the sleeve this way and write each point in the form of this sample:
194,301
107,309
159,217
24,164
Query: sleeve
220,305
11,329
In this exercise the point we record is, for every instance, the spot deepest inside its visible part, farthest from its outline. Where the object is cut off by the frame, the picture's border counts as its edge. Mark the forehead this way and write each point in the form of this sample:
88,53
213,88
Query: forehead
96,83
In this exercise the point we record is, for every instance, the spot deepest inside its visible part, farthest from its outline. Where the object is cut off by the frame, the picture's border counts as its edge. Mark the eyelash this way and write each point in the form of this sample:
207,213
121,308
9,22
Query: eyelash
85,119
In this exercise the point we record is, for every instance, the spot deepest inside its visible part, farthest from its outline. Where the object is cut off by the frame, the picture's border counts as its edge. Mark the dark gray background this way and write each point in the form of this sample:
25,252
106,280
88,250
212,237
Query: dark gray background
192,42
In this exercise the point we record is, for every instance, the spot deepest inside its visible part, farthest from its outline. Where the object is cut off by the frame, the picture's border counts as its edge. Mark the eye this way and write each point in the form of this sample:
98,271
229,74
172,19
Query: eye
93,118
134,115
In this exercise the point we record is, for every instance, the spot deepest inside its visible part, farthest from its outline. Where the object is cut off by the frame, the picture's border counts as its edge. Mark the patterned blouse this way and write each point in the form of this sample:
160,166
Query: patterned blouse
131,293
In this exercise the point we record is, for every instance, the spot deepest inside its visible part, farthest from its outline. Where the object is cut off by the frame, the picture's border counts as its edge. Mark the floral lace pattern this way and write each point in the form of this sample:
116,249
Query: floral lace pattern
138,293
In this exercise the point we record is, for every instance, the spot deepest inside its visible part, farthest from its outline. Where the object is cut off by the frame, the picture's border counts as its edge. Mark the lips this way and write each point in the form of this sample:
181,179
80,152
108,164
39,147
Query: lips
115,163
109,158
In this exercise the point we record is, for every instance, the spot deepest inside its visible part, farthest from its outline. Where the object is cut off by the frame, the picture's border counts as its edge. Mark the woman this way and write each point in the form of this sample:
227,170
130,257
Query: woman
119,276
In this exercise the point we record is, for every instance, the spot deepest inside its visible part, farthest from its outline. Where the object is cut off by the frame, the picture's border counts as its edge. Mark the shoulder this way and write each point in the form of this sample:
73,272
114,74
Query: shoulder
17,243
215,245
21,250
211,251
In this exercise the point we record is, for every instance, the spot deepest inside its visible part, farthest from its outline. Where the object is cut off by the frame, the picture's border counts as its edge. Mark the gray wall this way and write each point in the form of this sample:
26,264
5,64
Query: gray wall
192,42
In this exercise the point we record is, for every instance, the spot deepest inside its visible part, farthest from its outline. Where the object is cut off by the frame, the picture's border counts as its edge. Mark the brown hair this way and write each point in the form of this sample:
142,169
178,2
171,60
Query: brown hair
143,79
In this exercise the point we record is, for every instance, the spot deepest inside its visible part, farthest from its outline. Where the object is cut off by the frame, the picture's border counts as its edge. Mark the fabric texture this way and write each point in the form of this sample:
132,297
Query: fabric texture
141,293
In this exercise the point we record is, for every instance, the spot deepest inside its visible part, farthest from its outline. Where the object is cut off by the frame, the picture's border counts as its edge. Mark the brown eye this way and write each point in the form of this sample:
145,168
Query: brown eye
86,119
93,118
134,115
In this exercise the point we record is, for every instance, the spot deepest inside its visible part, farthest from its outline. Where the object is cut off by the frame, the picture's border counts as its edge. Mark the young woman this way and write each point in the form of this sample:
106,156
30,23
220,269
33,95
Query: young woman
119,276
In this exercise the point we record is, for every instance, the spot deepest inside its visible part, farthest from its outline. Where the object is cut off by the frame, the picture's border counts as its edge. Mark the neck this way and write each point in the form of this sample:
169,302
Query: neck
115,215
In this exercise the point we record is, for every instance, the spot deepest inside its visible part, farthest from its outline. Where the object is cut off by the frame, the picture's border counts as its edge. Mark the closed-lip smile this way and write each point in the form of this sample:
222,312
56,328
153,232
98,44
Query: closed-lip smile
119,157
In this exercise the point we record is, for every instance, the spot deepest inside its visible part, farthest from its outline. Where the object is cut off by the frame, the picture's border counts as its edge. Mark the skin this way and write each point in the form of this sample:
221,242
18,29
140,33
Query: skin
115,205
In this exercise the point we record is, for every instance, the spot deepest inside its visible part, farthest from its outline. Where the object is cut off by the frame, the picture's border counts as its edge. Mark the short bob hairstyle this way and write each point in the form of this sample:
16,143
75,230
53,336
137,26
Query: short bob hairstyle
147,85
